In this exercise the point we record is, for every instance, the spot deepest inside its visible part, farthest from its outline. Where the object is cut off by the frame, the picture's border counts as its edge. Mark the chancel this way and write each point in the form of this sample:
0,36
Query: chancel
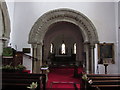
60,45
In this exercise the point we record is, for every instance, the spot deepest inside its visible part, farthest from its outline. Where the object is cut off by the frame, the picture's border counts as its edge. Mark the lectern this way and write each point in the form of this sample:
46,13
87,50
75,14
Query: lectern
106,62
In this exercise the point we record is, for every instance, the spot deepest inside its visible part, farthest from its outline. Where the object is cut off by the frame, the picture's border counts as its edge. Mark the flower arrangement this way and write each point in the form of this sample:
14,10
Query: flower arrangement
44,66
20,67
12,68
7,51
90,81
7,67
33,86
84,77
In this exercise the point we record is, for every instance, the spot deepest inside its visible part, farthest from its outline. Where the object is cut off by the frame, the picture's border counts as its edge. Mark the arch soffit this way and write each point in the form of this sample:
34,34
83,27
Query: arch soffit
41,26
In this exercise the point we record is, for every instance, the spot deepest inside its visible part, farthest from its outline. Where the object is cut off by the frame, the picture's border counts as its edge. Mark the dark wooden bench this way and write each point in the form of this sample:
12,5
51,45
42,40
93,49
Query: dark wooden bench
104,81
20,81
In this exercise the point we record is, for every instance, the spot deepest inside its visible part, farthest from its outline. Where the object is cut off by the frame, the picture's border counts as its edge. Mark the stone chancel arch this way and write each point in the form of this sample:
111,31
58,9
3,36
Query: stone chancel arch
41,26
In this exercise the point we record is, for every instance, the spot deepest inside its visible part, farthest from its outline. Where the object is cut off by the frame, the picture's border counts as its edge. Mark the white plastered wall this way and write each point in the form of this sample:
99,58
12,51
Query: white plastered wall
119,36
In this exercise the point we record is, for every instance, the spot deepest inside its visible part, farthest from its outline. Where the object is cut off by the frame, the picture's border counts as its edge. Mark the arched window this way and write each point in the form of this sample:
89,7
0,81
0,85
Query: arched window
74,48
51,48
63,49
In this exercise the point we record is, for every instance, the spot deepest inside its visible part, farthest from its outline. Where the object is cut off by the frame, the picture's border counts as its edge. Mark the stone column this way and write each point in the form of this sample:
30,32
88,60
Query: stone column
34,59
39,58
87,62
92,62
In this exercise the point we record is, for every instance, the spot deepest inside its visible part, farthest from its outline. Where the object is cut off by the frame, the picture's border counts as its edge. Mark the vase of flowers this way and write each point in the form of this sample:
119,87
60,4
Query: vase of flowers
20,68
33,86
8,68
87,81
84,77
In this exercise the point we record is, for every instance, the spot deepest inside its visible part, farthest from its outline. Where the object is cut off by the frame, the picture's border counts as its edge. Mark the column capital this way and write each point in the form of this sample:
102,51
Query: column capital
86,43
34,45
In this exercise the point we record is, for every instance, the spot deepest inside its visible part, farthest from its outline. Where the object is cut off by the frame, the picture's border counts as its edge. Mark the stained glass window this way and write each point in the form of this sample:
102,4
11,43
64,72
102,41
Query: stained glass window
63,49
51,48
74,48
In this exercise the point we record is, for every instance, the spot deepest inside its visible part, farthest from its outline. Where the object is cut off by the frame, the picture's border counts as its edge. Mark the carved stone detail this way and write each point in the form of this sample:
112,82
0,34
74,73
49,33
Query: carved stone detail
42,24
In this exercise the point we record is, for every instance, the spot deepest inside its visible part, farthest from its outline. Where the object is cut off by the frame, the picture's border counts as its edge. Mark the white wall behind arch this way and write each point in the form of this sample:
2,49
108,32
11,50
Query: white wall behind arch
102,14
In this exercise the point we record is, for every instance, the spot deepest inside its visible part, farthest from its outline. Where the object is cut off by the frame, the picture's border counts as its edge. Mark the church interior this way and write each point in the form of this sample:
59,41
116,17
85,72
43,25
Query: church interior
59,45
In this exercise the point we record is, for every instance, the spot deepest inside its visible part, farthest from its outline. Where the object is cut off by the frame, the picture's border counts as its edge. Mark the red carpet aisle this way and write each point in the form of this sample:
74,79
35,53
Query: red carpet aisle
63,85
62,78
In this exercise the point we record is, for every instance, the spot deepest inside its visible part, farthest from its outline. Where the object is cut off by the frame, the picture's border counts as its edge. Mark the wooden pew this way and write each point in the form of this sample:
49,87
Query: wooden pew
104,81
20,81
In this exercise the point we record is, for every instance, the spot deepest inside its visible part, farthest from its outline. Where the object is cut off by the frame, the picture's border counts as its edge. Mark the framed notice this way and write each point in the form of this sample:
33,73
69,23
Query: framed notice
106,53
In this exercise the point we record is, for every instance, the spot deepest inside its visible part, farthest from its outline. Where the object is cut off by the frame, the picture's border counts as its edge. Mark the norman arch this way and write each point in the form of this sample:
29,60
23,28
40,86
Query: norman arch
41,26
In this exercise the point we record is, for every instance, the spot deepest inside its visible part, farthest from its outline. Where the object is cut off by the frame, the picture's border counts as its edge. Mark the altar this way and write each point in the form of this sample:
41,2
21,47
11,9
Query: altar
63,59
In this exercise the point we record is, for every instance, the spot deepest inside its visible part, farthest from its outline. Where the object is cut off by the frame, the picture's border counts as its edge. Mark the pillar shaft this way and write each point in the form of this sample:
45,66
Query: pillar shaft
37,58
92,62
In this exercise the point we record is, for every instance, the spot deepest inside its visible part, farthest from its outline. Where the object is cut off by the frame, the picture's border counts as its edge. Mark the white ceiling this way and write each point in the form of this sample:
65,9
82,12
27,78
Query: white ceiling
61,0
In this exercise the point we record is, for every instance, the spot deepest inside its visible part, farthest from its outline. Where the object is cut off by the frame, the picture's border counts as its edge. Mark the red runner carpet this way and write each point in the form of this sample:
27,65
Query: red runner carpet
63,85
63,78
